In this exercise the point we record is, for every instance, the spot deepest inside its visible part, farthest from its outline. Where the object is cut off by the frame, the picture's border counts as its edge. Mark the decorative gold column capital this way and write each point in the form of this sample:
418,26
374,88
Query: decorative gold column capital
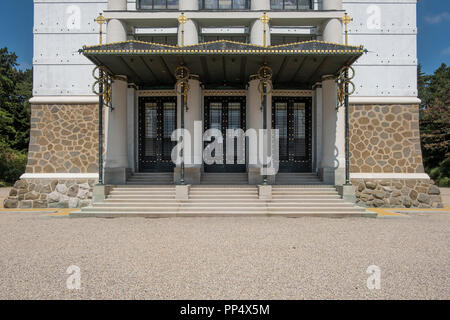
265,20
182,19
101,20
346,19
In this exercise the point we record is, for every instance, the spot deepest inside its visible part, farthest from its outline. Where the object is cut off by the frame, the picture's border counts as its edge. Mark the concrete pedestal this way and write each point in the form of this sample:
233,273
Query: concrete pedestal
100,192
265,192
347,192
182,192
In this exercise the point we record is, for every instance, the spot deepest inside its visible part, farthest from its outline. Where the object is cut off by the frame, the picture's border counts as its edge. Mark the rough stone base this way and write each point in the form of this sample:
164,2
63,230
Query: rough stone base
50,193
397,193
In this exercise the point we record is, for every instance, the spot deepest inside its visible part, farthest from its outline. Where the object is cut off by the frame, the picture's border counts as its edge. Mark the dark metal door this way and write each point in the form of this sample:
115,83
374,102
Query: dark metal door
226,113
157,121
292,116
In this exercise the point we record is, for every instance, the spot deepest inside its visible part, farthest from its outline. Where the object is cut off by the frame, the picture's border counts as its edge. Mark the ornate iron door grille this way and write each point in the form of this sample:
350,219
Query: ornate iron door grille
225,113
157,121
292,116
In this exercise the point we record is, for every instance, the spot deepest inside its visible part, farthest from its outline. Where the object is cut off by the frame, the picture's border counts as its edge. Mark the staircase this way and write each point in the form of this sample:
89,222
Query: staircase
311,200
151,179
297,179
224,179
222,201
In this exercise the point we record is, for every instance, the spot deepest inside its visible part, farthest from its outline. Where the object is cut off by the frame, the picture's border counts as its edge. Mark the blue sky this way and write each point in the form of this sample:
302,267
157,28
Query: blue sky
433,20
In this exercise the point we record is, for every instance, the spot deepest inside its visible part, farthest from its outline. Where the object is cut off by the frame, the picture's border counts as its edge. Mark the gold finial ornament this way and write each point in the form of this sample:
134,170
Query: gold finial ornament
102,85
346,19
182,74
264,75
344,80
265,20
101,20
182,19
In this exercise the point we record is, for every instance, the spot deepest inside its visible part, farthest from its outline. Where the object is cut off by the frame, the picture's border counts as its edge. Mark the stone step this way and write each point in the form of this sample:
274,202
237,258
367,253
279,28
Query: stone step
153,174
299,195
218,205
223,201
305,188
174,214
224,181
139,183
150,187
222,191
135,197
142,191
223,196
334,201
153,181
181,208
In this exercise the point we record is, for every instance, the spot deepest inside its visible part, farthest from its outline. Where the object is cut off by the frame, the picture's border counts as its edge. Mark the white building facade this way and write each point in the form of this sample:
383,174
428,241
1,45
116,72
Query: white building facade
223,44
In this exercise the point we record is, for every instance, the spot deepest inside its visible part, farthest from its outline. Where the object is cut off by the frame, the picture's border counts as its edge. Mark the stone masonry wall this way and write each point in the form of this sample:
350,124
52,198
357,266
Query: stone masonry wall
48,193
63,139
397,193
385,139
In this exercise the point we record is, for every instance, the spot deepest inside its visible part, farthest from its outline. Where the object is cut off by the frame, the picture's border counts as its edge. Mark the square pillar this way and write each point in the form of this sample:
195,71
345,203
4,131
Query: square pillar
193,114
332,169
317,114
131,126
116,158
255,121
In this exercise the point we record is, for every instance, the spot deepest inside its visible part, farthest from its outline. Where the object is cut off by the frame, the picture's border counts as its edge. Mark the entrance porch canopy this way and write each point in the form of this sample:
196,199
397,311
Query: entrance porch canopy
223,63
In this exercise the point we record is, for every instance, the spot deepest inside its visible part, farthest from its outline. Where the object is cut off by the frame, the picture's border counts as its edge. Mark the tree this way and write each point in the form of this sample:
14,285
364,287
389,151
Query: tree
434,91
15,92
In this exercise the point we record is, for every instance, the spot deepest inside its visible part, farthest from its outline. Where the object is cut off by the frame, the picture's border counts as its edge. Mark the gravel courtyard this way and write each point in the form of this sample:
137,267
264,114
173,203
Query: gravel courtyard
260,258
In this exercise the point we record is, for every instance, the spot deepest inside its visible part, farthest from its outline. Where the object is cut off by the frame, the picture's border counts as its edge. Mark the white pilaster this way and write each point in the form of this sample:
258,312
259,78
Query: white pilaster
188,5
332,31
259,5
116,160
131,127
332,4
318,125
257,33
119,5
117,31
190,33
116,150
193,113
333,135
255,121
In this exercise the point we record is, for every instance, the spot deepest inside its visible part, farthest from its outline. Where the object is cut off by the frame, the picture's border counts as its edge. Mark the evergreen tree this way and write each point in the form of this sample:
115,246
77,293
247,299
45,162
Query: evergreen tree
15,92
434,91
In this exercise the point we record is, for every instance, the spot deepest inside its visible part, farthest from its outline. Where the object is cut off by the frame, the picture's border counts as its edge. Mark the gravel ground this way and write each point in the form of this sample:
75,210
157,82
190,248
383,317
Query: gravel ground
224,258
